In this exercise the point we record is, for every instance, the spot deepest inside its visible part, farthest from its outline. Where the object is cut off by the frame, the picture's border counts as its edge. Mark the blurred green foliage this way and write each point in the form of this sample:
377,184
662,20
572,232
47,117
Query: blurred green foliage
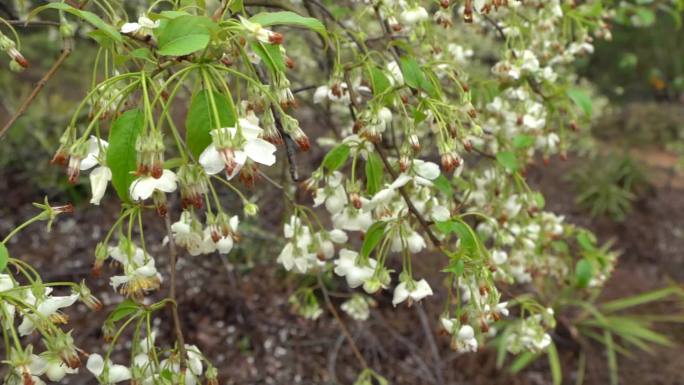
645,59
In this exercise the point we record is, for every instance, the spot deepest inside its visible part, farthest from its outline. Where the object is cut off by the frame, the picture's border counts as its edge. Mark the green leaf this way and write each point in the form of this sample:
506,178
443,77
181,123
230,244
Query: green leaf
442,184
85,15
584,271
4,257
380,84
554,364
508,160
522,360
336,158
414,76
374,173
184,35
271,55
581,99
464,232
586,240
123,310
289,18
200,119
642,299
373,236
523,141
121,153
456,267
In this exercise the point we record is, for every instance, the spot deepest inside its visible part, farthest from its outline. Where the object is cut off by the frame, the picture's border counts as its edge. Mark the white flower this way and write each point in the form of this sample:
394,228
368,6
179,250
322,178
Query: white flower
333,194
414,15
143,25
351,219
499,257
260,33
465,340
396,76
415,291
214,158
100,176
114,373
56,369
45,308
356,275
143,187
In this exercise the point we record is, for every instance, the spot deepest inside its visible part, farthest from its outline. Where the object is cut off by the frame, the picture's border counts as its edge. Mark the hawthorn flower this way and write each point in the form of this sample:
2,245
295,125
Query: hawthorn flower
107,372
101,175
47,308
411,290
26,367
414,15
332,194
358,307
231,148
140,274
356,273
144,186
144,26
56,369
465,339
260,33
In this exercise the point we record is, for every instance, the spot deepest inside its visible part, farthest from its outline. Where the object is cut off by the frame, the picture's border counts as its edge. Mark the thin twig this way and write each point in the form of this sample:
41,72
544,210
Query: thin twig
427,330
173,254
343,327
66,51
33,23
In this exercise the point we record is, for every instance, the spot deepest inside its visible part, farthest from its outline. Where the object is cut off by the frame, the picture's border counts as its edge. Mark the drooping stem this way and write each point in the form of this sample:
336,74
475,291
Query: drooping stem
178,329
343,326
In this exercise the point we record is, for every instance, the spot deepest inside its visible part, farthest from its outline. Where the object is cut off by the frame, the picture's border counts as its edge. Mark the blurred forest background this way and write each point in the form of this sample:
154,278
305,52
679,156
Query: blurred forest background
629,188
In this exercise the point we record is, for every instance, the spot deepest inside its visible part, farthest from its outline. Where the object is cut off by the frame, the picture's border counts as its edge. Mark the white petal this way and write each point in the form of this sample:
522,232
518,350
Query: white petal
99,178
400,294
168,182
130,27
118,373
52,304
427,170
95,364
211,160
261,151
142,188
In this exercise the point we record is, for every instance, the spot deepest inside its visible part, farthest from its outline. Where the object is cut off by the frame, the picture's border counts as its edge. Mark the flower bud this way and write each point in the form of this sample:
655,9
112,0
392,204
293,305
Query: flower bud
251,209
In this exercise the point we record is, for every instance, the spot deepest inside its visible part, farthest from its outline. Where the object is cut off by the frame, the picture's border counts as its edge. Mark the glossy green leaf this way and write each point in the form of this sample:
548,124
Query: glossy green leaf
374,173
271,55
123,310
200,119
380,84
289,18
464,232
554,364
4,257
336,158
414,76
121,153
584,271
523,141
373,236
443,185
508,160
184,35
581,99
85,15
456,267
